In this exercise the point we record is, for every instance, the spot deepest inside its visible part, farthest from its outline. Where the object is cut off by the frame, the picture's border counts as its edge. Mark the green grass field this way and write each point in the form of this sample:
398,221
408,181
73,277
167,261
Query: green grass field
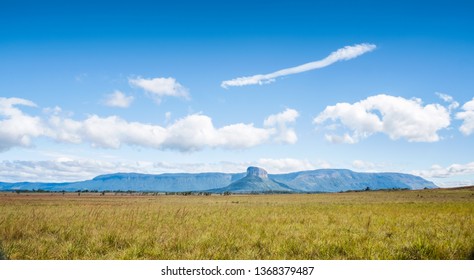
428,224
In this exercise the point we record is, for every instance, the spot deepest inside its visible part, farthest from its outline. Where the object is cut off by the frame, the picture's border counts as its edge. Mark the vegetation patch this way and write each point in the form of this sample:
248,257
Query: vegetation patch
425,224
2,254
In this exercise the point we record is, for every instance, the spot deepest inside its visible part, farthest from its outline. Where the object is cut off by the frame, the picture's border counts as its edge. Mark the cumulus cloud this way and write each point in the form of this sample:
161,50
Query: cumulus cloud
395,116
467,128
196,132
191,133
345,53
118,99
16,127
160,87
280,121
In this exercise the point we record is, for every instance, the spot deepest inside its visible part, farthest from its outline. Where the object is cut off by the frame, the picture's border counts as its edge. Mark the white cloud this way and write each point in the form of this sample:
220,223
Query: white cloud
367,166
195,132
113,132
454,175
280,121
64,169
191,133
287,116
167,117
363,165
445,97
337,139
437,171
467,128
345,53
80,77
395,116
53,111
64,129
118,99
453,183
287,165
70,169
448,99
161,87
16,127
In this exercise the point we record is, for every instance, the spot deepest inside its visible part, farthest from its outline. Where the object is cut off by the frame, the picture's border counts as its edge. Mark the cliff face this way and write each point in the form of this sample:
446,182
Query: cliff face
257,172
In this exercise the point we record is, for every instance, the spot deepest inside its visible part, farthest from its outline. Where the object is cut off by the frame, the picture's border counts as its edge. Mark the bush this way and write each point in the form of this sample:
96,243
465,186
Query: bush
2,255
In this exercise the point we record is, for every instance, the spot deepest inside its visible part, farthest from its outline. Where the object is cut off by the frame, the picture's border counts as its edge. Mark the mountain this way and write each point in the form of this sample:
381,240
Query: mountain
255,180
334,180
177,182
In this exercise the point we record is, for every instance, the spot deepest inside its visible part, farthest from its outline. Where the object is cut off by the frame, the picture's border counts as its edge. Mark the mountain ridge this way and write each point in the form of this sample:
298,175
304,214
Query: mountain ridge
319,180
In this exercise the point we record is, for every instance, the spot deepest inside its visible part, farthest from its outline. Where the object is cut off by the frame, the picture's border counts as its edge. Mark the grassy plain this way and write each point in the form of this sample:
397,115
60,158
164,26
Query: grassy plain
427,224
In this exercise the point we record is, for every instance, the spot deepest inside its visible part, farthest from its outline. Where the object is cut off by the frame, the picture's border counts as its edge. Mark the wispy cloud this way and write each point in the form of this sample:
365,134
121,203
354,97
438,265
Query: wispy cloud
160,87
454,175
363,165
63,170
395,116
453,104
345,53
286,165
118,99
80,77
437,171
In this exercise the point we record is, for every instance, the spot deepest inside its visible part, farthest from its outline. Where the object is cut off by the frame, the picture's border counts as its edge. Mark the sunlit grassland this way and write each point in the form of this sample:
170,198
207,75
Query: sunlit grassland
428,224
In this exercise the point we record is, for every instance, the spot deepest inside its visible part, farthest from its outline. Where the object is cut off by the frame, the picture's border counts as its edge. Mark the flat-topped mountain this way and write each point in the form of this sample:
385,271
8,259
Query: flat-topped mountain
253,171
256,180
335,180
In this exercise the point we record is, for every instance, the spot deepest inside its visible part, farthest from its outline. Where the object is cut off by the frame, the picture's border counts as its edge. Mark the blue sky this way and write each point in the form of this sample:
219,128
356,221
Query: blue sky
89,88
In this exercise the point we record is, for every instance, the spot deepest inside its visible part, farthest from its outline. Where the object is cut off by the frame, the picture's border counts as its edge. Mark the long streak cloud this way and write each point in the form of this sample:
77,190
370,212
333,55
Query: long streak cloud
345,53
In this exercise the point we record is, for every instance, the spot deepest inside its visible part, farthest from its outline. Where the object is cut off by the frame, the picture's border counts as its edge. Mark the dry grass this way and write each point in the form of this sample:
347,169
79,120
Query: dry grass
429,224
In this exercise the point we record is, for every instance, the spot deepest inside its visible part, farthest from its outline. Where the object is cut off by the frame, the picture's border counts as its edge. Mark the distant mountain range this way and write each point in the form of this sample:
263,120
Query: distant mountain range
256,180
